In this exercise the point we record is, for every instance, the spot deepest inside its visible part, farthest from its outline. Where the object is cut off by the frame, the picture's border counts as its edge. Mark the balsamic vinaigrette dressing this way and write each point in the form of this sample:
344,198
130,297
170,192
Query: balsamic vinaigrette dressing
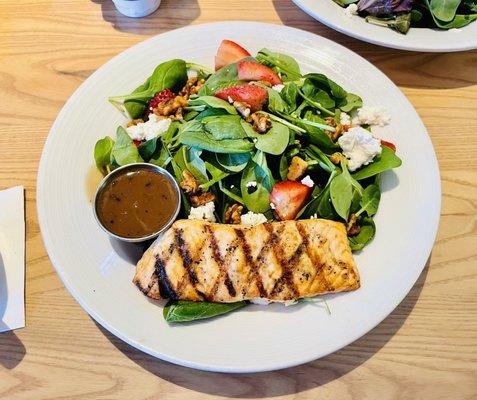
137,204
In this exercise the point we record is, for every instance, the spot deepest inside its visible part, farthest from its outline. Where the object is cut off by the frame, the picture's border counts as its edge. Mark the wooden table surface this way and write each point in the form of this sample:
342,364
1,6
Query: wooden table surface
426,349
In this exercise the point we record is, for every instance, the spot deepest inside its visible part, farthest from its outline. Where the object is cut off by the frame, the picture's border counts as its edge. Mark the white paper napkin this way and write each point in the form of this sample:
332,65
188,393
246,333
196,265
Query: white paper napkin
12,259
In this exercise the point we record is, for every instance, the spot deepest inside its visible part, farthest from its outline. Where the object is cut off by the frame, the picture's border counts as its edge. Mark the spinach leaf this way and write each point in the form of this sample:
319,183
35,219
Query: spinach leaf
275,102
350,103
387,160
161,158
257,199
400,23
224,77
459,21
444,10
187,311
204,140
320,206
274,141
284,65
317,95
344,3
124,150
370,200
216,172
290,94
136,108
366,234
233,162
341,193
102,154
224,127
323,82
212,102
230,193
194,164
149,147
283,167
211,112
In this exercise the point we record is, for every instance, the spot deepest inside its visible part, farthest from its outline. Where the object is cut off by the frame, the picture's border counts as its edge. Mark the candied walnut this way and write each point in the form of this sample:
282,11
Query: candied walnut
261,122
233,213
335,158
353,227
297,168
171,108
134,122
330,121
201,199
242,108
192,86
189,184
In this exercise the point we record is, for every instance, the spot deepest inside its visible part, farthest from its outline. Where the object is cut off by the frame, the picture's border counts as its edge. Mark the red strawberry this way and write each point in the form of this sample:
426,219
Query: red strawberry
254,71
288,198
390,145
228,53
137,143
160,97
253,96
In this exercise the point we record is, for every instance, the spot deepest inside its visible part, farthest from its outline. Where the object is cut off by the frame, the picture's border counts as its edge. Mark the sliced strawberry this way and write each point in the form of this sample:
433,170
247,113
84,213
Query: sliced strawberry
160,97
254,96
288,198
228,53
137,143
390,145
254,71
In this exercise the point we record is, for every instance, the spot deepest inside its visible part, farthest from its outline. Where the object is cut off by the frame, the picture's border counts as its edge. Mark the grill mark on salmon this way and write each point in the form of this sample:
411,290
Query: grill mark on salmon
165,287
278,261
221,262
253,274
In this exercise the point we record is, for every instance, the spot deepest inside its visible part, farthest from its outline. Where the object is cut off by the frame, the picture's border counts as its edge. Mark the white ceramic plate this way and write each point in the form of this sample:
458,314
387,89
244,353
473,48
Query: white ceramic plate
417,39
257,338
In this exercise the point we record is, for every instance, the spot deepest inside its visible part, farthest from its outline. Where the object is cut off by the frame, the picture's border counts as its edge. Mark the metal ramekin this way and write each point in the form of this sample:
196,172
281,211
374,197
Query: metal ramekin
136,167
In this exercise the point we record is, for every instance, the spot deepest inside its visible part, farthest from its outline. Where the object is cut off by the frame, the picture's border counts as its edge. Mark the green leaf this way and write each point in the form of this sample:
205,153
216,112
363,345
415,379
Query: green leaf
370,200
444,10
387,160
187,311
224,127
216,172
352,102
212,102
124,150
365,235
102,153
341,193
345,3
320,205
233,162
194,164
290,94
283,168
257,199
171,74
400,23
323,82
204,140
283,64
274,141
224,77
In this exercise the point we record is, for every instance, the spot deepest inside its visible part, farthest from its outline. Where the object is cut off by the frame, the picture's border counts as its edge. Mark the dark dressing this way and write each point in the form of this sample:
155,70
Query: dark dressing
137,204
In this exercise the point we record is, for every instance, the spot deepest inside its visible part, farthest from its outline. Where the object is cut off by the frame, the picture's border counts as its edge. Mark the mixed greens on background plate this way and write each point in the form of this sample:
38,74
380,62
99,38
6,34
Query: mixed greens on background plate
257,137
401,15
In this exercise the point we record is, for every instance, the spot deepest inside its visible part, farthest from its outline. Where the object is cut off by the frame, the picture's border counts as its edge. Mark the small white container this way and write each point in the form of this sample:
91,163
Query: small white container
136,8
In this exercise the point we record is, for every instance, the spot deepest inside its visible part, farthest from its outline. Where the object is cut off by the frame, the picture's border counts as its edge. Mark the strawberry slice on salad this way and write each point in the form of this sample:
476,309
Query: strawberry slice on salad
288,198
254,71
252,95
228,53
389,145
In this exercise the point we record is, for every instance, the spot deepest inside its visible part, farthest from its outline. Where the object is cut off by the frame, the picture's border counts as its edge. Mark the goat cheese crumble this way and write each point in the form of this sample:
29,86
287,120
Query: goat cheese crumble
205,212
251,184
359,147
377,115
345,119
307,181
351,10
265,302
192,73
278,87
252,218
150,129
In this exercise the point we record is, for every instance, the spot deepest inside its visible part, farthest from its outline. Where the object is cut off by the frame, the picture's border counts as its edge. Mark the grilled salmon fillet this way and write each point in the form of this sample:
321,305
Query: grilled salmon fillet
278,261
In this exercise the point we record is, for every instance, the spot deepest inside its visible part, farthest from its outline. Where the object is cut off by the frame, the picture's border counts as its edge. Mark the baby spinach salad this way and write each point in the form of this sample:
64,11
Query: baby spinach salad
253,141
401,15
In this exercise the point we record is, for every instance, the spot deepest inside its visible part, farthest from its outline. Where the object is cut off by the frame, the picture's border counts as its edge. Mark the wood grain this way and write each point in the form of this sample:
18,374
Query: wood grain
426,349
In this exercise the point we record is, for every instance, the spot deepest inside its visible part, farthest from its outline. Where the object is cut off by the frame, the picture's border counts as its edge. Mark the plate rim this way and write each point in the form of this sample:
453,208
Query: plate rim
356,35
48,241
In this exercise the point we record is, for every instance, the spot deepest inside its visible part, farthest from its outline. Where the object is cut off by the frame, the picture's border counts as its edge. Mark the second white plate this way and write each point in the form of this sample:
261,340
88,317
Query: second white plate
417,39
